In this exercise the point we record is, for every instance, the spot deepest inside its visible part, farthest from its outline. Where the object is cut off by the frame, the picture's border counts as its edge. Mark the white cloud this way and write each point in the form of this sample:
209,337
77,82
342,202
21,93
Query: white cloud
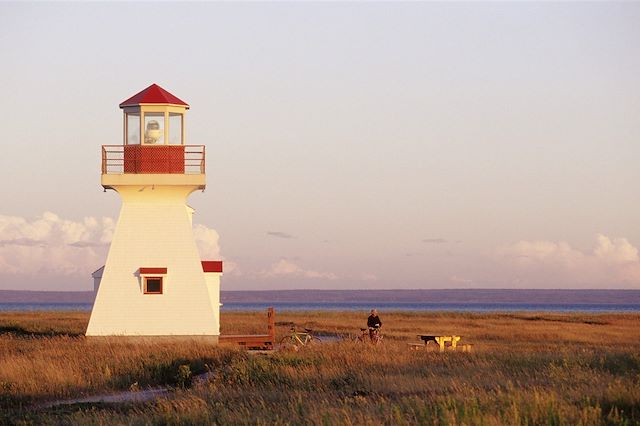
618,251
207,240
284,267
612,263
50,245
48,252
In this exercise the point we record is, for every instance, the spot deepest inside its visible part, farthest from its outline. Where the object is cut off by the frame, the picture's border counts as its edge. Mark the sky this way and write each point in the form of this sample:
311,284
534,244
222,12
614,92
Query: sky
350,145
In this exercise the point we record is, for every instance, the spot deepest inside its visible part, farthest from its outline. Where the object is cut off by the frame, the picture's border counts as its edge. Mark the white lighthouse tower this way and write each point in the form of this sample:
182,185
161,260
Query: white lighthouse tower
154,282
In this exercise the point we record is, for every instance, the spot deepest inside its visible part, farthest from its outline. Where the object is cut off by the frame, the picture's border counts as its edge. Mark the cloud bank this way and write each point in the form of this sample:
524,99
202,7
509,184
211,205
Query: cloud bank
284,267
49,245
52,253
613,262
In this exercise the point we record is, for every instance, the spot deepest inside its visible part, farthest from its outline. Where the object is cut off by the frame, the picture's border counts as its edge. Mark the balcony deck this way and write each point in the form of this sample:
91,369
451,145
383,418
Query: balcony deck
153,165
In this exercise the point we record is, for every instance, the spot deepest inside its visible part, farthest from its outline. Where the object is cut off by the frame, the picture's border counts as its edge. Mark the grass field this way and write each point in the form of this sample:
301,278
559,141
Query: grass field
525,369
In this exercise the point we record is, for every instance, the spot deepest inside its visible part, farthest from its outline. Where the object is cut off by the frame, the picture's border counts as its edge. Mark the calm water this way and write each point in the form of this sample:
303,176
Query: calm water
354,306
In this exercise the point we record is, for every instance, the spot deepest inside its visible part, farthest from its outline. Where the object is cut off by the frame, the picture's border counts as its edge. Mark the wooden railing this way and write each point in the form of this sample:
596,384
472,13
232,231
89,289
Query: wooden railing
145,159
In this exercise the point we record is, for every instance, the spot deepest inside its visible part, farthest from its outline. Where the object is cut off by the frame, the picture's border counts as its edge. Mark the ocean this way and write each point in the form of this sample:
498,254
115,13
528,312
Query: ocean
366,306
454,300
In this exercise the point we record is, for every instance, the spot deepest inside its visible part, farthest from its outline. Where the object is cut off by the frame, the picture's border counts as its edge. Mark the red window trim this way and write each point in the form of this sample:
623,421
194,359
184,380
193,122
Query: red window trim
153,270
154,292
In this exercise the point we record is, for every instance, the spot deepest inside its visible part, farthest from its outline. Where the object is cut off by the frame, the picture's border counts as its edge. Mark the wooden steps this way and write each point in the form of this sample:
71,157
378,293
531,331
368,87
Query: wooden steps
255,341
249,341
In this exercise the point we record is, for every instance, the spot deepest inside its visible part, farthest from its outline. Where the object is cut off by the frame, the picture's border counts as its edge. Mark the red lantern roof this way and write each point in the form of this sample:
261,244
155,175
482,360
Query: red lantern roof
153,94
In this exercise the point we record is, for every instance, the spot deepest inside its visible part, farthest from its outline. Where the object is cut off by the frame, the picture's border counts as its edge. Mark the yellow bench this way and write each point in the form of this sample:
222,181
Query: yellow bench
441,339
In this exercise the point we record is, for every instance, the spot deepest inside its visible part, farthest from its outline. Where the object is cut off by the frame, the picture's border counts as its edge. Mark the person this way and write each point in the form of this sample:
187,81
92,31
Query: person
374,323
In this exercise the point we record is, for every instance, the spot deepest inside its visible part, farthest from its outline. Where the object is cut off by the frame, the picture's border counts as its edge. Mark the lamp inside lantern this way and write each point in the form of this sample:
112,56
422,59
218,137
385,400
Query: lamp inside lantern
153,132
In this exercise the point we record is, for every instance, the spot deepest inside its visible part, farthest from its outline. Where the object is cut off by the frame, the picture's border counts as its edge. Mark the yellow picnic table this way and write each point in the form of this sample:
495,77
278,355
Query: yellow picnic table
440,339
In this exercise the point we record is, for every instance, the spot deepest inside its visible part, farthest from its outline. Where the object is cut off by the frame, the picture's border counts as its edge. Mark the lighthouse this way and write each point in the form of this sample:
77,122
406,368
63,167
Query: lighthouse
154,282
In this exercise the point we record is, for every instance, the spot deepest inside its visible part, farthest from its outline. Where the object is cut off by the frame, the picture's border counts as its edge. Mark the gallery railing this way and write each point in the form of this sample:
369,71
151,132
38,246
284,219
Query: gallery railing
150,159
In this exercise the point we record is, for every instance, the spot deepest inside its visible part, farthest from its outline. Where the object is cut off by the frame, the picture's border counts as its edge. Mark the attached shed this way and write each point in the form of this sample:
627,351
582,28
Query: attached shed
97,277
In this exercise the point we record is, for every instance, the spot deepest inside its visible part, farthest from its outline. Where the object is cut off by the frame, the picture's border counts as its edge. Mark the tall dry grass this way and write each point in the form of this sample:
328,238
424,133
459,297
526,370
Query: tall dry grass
525,369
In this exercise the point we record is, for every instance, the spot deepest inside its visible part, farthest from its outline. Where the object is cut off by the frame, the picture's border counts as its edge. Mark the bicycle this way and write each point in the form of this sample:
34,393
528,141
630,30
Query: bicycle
298,339
370,334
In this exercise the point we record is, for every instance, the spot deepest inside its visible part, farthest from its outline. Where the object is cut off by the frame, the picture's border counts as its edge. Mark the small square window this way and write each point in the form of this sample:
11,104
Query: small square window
153,285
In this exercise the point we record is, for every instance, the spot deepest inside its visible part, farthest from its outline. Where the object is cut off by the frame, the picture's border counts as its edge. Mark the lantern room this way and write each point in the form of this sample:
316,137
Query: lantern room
153,141
154,117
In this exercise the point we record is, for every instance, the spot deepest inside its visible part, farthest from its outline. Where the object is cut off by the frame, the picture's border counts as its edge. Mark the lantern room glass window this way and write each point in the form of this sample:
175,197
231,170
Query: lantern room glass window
154,129
133,129
175,129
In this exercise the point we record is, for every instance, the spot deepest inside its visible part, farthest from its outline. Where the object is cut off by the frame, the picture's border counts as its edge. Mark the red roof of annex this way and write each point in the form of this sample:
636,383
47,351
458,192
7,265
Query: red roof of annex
212,266
153,94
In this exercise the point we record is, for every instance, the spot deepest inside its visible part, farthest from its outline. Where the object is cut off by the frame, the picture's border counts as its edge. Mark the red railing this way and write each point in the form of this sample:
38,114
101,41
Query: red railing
143,159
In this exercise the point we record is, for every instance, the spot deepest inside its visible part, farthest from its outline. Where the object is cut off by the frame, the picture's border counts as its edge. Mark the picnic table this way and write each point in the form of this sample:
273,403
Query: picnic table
441,339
